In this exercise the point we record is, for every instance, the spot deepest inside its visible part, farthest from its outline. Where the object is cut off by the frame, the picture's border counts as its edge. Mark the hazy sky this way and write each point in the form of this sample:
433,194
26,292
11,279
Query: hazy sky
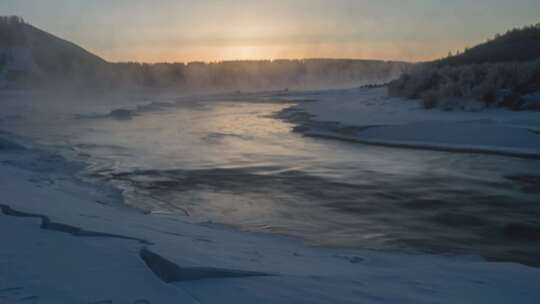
178,30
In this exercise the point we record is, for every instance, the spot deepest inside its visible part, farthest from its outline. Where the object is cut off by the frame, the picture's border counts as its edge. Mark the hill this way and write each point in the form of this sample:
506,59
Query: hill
520,44
503,72
28,54
32,57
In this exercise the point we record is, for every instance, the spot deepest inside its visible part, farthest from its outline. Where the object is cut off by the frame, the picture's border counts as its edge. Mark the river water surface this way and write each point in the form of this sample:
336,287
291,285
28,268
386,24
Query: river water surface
233,163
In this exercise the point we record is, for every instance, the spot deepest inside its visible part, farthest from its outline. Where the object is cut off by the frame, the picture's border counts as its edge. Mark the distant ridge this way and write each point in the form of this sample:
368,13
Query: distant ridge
520,44
502,72
49,50
51,57
31,57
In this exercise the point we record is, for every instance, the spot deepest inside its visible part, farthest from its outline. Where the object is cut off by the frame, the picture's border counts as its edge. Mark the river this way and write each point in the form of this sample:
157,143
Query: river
234,163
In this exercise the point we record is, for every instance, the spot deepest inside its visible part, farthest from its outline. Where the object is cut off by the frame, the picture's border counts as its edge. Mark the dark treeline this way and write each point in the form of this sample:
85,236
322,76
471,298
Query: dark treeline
37,58
520,44
503,72
11,20
261,74
11,31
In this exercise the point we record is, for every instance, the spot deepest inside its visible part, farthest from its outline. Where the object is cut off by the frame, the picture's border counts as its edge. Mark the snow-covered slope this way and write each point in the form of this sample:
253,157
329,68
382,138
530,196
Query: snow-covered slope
65,241
380,119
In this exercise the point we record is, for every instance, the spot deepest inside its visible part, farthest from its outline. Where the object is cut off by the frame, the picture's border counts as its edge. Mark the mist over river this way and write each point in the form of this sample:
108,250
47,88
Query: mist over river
234,163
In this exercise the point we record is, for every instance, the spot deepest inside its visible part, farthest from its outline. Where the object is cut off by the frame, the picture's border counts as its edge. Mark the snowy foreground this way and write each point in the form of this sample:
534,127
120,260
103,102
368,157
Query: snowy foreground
382,120
66,241
69,241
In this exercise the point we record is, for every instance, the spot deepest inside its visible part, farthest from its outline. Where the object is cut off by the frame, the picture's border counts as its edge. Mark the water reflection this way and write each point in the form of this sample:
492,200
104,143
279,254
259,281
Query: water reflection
232,163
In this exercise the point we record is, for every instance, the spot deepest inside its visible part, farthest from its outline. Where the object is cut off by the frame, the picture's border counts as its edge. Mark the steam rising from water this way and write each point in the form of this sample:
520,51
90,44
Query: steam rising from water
230,162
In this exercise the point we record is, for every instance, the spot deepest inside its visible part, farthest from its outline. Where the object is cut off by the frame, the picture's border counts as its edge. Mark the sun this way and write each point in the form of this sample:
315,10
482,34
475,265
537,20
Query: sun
242,52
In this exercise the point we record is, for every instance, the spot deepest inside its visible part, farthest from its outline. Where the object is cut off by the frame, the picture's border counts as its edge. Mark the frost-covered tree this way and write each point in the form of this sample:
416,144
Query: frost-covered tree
499,72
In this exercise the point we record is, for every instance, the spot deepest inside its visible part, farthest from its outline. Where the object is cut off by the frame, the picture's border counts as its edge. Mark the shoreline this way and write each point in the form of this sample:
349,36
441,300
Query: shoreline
72,242
424,146
387,131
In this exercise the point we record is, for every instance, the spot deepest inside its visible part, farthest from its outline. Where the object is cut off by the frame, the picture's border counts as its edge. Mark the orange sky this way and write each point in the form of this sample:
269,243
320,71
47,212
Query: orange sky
204,30
254,52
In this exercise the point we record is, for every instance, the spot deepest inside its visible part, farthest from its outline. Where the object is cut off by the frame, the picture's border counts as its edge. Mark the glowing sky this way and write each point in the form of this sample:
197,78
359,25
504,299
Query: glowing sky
177,30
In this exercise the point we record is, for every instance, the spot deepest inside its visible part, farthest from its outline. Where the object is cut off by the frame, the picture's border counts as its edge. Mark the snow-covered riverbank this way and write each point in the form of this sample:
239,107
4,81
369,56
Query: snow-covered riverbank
66,241
379,119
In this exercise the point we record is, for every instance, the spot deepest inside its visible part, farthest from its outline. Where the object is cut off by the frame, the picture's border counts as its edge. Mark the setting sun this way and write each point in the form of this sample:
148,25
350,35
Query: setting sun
239,29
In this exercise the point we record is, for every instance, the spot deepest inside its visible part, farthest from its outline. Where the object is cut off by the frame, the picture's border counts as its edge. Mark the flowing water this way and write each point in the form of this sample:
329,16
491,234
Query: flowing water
232,163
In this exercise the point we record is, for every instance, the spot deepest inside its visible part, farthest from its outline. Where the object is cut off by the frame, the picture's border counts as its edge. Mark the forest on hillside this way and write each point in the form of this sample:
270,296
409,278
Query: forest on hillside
502,72
516,45
260,74
11,31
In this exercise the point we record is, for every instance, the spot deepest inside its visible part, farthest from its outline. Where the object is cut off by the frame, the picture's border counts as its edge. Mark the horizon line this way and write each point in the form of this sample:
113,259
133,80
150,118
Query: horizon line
24,21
